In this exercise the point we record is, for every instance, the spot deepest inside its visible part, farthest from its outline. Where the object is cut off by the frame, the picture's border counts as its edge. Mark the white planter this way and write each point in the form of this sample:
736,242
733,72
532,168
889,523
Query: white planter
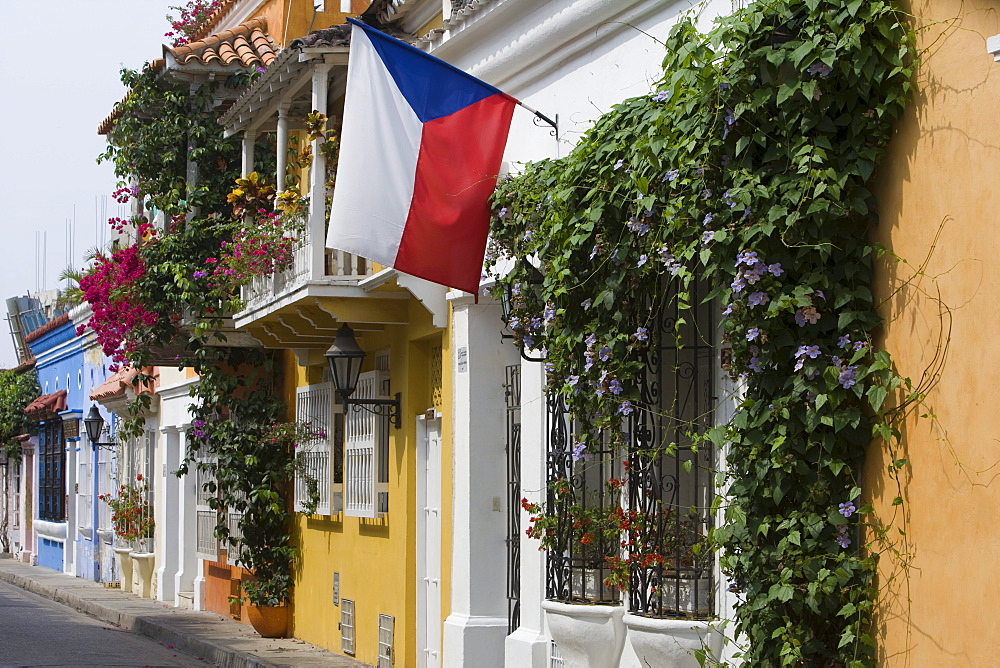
125,566
671,643
588,636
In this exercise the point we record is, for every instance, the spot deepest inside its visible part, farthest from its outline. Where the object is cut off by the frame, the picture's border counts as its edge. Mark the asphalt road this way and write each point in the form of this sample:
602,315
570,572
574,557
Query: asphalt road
35,631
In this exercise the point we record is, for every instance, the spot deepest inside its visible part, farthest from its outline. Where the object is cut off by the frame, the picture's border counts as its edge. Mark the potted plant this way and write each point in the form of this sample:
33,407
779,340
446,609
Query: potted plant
580,532
254,467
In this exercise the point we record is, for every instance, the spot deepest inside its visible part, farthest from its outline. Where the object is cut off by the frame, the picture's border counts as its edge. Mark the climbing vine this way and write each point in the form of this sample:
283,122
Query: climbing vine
748,170
203,230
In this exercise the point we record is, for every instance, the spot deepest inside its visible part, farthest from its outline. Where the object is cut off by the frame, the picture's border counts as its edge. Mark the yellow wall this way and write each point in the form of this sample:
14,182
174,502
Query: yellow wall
938,200
289,19
376,558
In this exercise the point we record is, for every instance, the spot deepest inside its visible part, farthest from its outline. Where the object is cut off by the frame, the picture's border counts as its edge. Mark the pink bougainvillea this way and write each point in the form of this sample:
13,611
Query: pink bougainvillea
189,20
108,288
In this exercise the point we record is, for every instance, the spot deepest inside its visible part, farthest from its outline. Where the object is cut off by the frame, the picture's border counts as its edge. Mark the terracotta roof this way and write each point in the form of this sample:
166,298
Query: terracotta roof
246,45
47,404
55,323
117,382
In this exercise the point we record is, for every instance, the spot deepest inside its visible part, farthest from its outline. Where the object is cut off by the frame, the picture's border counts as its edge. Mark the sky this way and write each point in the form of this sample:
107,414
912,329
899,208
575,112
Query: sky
59,78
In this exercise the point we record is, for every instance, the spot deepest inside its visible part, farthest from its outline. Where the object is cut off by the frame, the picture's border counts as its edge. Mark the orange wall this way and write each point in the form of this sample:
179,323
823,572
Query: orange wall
288,19
939,194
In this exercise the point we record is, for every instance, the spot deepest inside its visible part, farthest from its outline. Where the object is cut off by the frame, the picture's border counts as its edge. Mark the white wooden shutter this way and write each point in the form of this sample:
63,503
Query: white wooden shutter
347,626
314,405
386,624
361,432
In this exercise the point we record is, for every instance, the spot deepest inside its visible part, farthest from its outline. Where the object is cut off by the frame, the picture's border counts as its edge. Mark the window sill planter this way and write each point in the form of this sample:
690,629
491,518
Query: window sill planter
671,643
588,636
269,621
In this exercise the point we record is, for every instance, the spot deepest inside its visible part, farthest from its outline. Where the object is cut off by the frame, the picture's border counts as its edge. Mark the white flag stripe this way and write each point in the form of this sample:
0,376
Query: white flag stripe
378,160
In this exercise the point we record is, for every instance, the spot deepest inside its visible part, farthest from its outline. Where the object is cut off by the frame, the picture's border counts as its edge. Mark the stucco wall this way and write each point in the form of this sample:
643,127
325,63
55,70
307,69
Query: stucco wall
938,202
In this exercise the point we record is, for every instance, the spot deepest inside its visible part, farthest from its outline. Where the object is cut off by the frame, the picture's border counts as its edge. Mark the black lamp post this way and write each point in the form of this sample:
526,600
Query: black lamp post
345,357
94,424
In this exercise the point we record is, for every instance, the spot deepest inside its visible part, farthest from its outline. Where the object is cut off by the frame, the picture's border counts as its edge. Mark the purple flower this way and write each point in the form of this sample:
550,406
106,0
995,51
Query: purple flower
593,253
572,380
642,260
708,218
728,310
550,367
728,200
807,314
529,341
198,423
847,509
586,304
754,364
738,284
591,340
625,408
820,68
641,334
579,451
549,313
707,236
844,341
619,164
672,175
858,345
842,539
725,160
661,96
758,298
776,269
848,376
502,213
749,258
637,226
262,69
200,274
604,354
615,386
819,293
706,194
516,290
753,333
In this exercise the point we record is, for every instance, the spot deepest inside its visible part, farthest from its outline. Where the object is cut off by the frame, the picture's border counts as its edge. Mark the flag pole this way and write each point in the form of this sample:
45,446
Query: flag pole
539,116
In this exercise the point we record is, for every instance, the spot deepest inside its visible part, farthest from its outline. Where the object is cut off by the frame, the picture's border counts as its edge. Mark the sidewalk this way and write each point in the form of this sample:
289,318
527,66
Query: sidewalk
216,639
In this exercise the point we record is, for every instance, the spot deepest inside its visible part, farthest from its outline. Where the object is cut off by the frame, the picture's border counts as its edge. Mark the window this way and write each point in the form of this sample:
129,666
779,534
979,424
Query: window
664,485
347,626
51,472
316,465
386,623
366,446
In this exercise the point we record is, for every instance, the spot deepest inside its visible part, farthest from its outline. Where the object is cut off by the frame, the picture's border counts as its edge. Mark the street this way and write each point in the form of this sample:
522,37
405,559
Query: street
40,632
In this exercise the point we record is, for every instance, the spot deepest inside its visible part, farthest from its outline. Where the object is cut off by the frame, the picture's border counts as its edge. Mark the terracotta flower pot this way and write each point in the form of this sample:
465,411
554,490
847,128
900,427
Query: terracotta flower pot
269,621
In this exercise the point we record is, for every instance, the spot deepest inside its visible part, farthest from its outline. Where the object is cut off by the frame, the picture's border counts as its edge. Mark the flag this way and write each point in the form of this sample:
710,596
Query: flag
419,157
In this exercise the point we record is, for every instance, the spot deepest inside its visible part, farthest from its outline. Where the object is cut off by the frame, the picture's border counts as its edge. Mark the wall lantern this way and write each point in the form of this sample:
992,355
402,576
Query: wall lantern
345,357
534,281
94,425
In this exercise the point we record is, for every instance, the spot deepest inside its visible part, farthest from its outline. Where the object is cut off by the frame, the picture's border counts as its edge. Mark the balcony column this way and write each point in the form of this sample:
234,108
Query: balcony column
282,147
249,139
317,178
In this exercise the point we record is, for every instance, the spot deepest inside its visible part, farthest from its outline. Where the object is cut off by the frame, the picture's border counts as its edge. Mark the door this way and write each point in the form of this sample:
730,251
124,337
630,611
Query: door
429,545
